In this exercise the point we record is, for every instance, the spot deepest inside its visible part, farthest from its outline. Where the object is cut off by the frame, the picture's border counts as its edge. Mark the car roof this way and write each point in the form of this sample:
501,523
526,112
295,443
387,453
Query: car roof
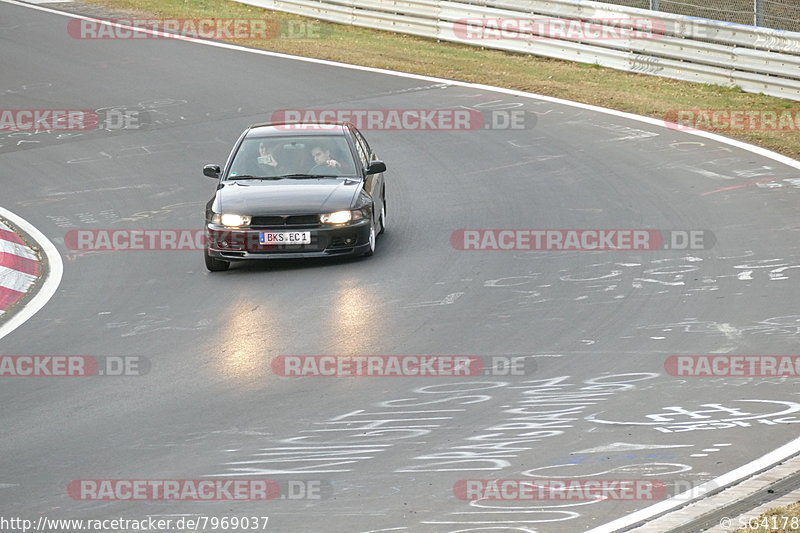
287,129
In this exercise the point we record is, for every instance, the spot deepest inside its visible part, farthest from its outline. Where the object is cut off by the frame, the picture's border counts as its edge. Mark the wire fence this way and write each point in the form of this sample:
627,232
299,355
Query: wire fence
778,14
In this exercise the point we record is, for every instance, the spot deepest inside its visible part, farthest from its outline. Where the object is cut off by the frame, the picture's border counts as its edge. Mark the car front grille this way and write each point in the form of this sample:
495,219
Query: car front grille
278,221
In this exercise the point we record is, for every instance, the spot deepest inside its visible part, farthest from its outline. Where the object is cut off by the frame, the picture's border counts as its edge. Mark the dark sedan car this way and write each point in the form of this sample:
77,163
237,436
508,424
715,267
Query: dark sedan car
295,191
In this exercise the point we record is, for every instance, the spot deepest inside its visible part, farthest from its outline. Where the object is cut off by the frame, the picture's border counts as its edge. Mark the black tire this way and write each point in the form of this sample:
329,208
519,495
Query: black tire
372,238
216,265
383,216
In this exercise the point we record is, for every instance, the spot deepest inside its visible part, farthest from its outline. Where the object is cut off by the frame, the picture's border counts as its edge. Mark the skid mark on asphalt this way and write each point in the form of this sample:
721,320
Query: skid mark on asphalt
784,326
146,150
115,119
630,447
613,281
447,300
143,324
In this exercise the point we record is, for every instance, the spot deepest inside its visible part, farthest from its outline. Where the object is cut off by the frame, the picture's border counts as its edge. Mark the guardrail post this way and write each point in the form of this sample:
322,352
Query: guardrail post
758,12
654,5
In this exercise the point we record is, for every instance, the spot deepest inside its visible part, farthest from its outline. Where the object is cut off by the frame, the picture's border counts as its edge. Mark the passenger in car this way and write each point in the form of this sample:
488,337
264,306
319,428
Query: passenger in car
268,162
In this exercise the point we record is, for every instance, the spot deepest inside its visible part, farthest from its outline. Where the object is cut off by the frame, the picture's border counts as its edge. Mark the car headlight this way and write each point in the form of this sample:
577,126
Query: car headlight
230,220
341,217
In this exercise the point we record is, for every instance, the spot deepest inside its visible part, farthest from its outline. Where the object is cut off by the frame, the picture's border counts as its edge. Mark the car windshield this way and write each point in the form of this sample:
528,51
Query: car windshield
294,157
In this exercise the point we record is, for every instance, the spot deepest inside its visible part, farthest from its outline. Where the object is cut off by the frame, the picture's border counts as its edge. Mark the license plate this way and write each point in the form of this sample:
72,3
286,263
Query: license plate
285,237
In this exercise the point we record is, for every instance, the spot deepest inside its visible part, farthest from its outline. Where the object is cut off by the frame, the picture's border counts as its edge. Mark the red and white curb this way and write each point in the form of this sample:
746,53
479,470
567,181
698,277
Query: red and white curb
22,270
19,268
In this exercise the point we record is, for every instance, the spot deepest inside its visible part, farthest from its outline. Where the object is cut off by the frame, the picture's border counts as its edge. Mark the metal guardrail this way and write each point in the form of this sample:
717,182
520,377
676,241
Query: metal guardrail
779,14
756,59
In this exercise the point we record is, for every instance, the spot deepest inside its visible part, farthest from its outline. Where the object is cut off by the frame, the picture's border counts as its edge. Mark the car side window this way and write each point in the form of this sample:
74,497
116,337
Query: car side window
362,148
367,149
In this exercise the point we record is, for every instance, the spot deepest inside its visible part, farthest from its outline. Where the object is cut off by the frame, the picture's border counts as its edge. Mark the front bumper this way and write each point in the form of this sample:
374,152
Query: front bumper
233,244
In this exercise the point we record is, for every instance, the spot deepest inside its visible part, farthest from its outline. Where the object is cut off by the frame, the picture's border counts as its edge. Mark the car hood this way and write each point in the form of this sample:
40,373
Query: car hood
287,196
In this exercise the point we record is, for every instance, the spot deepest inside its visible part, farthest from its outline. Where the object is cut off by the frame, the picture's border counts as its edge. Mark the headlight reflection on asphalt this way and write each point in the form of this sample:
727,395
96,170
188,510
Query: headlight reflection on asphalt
243,350
354,322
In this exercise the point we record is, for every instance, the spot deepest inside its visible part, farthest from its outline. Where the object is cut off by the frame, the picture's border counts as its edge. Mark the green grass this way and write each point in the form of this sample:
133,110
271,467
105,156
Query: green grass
787,516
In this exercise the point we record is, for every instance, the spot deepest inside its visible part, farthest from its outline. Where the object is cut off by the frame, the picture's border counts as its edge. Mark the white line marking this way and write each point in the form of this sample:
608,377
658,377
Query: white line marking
15,280
51,281
13,248
447,300
701,491
629,447
729,331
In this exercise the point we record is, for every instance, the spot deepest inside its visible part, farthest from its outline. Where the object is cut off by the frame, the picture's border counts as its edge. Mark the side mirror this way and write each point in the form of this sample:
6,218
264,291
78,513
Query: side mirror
376,167
212,171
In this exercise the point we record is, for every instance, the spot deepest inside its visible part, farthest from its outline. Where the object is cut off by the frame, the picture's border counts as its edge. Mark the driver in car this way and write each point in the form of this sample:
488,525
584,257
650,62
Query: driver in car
323,162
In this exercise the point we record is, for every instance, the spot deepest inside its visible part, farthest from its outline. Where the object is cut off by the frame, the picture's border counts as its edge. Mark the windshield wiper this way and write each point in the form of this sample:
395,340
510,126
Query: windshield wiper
309,176
249,177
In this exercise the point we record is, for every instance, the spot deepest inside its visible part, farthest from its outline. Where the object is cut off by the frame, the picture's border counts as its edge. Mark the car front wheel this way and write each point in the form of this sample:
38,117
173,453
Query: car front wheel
216,265
383,216
372,237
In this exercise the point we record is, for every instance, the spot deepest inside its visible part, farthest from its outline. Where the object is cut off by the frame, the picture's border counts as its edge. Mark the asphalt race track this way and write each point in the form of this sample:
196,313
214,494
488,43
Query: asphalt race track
595,327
